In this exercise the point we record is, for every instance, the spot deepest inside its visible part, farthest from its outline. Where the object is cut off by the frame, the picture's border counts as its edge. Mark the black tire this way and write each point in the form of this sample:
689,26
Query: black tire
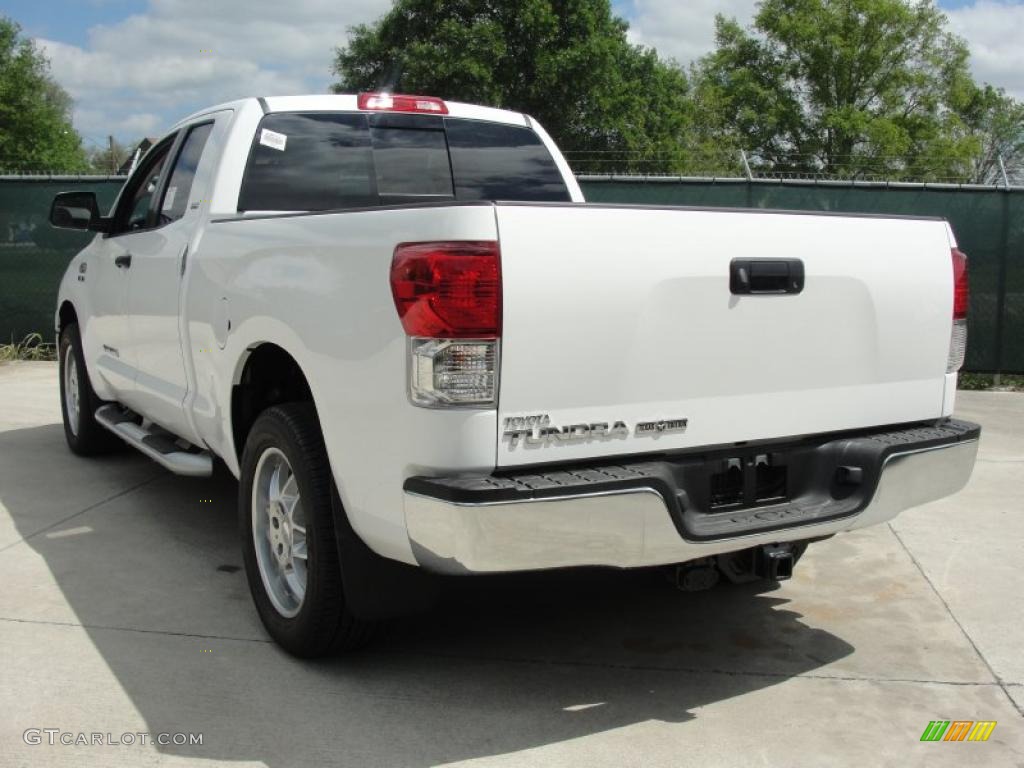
85,436
323,624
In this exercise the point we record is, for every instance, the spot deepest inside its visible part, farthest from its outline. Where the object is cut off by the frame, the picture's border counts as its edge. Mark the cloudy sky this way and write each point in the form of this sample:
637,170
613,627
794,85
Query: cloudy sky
136,66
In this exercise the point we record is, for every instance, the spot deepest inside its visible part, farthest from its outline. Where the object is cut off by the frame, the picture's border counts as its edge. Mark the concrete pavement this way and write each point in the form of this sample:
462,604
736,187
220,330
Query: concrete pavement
123,610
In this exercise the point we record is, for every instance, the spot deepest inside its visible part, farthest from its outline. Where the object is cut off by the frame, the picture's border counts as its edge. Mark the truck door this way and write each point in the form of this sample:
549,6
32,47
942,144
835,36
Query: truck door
158,258
106,335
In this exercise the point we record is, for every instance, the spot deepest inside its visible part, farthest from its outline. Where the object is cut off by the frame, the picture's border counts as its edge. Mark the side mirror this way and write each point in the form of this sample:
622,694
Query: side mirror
77,210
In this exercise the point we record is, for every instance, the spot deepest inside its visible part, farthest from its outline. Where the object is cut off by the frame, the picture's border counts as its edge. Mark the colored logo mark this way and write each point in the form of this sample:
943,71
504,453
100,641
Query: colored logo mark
958,730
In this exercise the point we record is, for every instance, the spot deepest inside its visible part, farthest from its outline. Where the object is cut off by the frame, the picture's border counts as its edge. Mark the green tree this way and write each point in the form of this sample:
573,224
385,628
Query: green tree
568,63
35,112
996,121
851,87
109,158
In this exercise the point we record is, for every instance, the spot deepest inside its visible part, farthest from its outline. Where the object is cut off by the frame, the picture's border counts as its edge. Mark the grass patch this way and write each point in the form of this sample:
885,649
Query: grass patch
983,381
32,347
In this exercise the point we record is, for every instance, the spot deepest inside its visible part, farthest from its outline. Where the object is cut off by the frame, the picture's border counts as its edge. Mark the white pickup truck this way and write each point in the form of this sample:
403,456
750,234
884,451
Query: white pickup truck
396,321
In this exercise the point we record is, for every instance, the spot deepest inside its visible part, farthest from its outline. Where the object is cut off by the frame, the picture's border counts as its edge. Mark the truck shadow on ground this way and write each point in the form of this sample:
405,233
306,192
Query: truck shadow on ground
503,664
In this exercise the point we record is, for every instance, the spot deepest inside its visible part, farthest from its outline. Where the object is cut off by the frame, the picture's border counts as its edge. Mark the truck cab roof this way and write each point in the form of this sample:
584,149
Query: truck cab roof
321,102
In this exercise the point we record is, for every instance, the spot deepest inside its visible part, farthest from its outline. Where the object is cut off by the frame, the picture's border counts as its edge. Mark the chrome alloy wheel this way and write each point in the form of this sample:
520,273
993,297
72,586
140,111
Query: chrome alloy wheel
72,403
279,532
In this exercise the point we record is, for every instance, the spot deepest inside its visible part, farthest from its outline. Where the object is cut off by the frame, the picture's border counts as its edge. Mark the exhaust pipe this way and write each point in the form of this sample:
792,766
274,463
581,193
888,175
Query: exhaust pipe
774,561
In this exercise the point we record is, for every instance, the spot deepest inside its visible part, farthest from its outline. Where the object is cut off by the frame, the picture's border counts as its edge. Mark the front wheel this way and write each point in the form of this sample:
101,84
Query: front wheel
288,537
78,401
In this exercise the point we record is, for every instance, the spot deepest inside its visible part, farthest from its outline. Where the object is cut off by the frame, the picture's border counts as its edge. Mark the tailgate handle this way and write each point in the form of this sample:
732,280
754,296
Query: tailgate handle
766,276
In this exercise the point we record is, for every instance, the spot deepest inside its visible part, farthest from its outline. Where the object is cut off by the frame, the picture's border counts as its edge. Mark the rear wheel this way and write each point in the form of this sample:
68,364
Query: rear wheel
78,401
288,537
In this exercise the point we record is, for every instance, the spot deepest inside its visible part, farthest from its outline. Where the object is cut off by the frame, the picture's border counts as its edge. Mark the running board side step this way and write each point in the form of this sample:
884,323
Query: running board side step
155,443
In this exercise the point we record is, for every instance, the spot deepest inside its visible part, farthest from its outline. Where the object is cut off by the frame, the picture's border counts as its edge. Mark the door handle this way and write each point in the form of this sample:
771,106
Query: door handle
124,261
766,276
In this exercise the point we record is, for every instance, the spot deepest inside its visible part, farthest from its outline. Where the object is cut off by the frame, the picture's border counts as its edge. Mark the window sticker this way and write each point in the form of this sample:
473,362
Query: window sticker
169,198
273,139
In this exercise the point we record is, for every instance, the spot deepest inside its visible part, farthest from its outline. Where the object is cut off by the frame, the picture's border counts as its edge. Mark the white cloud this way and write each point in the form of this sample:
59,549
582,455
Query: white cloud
141,74
96,124
995,33
683,31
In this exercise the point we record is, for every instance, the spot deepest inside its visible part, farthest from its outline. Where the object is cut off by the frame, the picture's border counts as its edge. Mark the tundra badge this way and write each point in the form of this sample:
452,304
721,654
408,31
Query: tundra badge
537,430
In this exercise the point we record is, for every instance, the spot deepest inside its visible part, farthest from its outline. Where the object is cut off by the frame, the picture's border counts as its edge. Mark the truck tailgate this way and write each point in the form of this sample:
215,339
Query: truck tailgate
621,314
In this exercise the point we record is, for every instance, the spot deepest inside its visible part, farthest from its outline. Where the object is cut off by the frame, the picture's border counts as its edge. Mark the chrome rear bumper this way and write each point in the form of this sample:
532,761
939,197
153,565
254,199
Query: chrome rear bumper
634,527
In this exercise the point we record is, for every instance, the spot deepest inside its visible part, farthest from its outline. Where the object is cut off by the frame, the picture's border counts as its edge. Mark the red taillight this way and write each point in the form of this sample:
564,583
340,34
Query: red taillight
400,102
961,288
448,290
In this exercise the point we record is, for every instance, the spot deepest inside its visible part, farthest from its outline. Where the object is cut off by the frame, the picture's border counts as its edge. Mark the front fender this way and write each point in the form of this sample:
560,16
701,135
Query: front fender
75,290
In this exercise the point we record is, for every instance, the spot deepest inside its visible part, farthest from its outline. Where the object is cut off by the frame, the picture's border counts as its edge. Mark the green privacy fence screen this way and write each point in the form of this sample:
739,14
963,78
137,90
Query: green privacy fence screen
33,254
989,224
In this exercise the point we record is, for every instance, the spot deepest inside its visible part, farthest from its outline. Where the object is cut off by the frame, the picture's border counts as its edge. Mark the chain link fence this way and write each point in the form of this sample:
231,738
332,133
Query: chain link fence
989,222
715,160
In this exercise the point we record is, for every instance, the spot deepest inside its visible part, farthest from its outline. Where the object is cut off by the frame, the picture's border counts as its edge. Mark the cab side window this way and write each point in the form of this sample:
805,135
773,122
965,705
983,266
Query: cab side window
133,210
179,187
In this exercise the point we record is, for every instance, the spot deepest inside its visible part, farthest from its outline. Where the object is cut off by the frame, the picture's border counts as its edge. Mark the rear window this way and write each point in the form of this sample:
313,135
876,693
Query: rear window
491,161
411,162
312,162
329,161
